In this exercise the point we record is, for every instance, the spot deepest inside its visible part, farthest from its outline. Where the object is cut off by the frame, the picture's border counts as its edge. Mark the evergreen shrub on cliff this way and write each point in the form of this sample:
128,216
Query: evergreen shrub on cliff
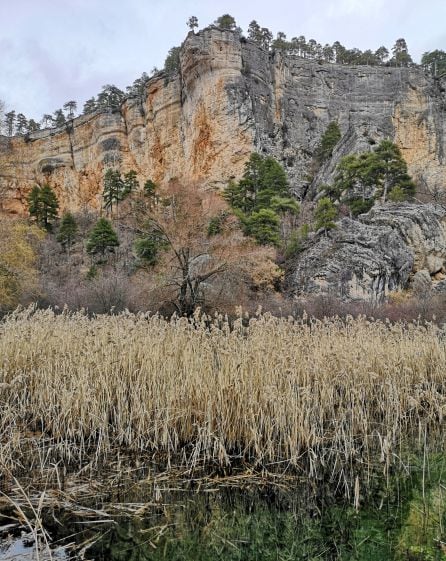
362,178
43,205
260,198
328,142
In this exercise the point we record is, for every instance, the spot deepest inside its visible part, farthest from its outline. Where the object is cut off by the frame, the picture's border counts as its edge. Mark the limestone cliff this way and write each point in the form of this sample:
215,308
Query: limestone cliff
374,255
230,98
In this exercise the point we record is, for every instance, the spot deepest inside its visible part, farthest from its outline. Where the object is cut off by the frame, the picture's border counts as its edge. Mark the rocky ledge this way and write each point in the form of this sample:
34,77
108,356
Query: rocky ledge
375,254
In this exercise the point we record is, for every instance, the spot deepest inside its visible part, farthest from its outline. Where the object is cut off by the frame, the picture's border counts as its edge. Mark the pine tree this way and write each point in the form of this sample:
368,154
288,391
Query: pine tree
10,122
149,188
328,142
49,206
130,183
32,126
89,106
255,32
390,169
34,202
43,205
374,174
21,123
47,120
192,23
259,197
147,249
172,62
102,238
325,215
138,87
110,97
401,56
113,191
226,21
435,62
59,118
67,231
264,225
70,107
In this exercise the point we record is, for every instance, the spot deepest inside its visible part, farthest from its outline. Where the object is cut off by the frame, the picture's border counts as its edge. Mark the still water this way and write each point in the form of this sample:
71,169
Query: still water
399,518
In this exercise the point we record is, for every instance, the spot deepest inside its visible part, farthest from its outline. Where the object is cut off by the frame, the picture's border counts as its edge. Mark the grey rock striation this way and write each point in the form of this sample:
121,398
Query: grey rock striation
376,254
229,98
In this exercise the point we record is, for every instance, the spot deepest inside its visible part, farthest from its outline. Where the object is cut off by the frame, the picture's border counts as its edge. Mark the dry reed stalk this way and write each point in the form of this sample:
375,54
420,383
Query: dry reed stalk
320,397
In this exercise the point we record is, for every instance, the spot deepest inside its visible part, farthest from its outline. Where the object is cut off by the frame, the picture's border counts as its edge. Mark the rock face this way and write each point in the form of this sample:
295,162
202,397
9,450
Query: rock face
369,257
229,99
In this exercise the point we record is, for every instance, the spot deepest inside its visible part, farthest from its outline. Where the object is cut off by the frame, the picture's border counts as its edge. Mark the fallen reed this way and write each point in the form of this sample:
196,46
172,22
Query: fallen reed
330,398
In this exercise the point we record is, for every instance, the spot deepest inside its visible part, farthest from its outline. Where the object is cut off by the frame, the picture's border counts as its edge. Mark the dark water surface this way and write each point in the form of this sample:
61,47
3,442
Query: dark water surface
402,517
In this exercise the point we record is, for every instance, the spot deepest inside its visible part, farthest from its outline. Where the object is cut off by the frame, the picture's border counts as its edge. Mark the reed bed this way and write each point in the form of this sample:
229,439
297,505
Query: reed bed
332,398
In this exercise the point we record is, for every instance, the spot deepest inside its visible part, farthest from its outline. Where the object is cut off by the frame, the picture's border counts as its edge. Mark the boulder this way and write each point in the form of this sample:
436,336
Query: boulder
374,255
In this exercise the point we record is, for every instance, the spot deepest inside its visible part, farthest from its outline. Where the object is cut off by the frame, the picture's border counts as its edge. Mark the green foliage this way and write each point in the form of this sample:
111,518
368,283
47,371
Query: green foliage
92,272
113,191
59,118
282,205
216,224
70,107
328,142
90,106
34,201
9,122
264,226
397,195
117,188
260,35
67,231
330,191
110,97
435,62
130,183
236,196
32,126
325,214
401,56
147,249
295,242
192,22
43,205
280,43
373,174
390,170
137,89
226,21
360,206
102,238
263,179
151,243
149,188
260,197
172,62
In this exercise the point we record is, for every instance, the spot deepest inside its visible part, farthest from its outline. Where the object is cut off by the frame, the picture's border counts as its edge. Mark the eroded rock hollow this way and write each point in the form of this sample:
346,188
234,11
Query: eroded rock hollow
230,98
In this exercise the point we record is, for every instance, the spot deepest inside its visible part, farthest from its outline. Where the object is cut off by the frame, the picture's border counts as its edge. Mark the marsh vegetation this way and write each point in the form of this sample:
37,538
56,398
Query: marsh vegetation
351,410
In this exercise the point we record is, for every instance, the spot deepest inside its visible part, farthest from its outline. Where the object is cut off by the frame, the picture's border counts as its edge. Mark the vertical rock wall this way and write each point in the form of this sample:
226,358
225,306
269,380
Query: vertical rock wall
230,98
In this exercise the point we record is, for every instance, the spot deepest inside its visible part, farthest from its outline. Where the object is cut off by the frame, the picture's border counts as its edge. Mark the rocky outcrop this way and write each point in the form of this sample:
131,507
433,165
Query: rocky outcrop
232,97
374,255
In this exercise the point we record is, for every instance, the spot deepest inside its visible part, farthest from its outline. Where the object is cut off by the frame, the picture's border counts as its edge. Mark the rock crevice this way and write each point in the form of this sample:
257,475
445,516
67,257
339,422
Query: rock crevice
232,97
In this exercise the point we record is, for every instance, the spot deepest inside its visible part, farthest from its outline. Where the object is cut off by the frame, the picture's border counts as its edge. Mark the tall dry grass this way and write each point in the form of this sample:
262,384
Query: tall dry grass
323,398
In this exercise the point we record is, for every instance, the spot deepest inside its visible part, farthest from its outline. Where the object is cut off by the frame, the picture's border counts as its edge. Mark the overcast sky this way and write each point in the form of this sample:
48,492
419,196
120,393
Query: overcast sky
52,51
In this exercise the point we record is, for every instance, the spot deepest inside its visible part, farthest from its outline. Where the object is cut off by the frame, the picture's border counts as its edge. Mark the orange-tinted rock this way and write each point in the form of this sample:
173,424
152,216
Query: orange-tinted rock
231,98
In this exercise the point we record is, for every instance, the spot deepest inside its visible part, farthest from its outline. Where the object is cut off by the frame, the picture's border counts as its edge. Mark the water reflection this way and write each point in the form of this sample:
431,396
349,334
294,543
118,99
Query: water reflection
401,518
